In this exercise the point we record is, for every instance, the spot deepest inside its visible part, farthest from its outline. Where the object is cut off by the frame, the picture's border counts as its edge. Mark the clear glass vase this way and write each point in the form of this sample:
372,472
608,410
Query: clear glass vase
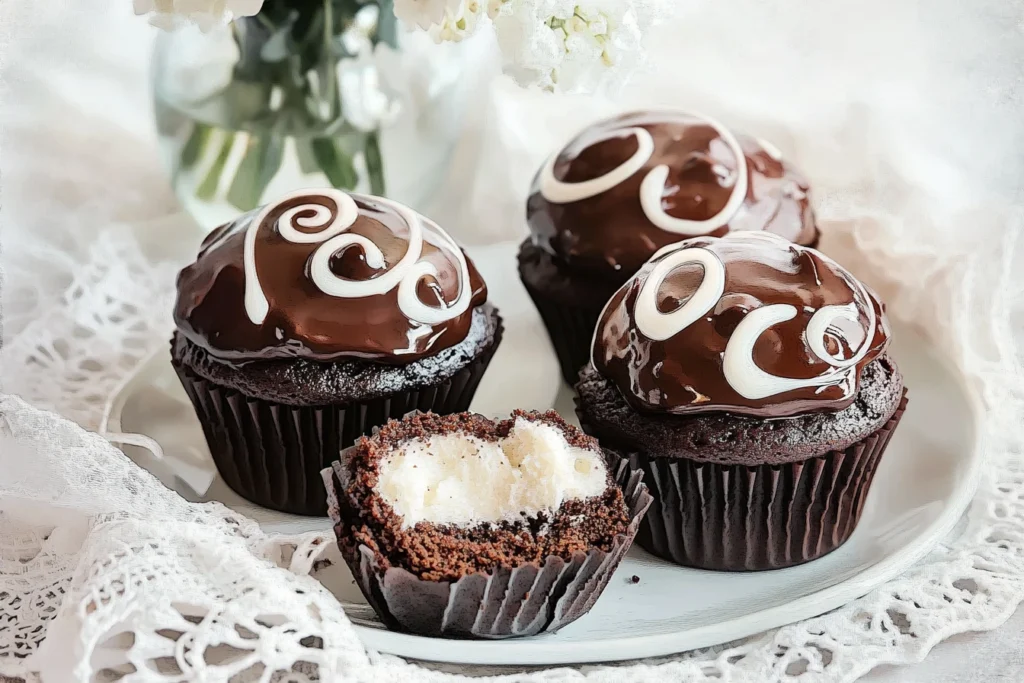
310,94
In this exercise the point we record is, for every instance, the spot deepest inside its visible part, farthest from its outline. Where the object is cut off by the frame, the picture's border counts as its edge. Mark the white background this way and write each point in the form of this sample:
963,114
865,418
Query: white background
939,82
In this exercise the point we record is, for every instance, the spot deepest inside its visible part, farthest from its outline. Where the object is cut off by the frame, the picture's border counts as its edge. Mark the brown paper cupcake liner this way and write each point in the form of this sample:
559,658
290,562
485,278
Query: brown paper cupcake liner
743,518
512,601
272,454
570,327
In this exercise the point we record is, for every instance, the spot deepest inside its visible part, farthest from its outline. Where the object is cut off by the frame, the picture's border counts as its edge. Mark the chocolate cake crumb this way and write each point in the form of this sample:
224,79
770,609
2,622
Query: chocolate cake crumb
305,382
448,552
727,439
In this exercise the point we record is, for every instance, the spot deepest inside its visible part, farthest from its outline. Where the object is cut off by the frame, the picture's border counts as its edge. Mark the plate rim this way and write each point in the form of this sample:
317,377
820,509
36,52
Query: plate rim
536,651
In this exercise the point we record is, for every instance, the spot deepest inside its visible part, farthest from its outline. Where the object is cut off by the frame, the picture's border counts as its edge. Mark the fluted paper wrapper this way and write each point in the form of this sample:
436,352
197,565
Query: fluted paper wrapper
272,454
743,518
570,328
512,601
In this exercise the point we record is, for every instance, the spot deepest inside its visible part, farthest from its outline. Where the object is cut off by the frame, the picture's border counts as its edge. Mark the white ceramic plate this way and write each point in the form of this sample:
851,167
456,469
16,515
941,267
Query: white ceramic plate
924,483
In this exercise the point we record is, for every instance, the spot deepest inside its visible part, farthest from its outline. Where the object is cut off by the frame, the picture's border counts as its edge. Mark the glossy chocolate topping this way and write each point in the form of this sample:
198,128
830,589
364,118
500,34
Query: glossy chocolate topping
324,275
748,324
685,166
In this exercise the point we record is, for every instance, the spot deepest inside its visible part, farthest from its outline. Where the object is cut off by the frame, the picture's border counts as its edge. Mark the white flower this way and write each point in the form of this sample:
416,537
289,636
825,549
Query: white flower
577,46
201,65
205,14
358,37
425,13
444,20
364,103
564,45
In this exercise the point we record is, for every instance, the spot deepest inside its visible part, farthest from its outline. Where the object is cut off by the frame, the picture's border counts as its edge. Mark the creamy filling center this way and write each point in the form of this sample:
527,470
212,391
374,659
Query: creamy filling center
461,480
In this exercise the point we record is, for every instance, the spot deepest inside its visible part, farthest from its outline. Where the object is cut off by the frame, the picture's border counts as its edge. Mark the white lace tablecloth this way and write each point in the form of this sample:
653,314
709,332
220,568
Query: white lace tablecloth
907,119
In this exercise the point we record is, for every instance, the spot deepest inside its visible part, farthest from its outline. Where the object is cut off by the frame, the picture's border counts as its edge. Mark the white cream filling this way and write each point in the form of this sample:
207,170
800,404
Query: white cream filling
461,480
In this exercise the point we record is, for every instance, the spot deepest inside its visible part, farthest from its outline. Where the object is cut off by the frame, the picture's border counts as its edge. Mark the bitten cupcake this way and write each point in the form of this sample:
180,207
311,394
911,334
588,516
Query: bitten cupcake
748,378
305,323
462,527
628,186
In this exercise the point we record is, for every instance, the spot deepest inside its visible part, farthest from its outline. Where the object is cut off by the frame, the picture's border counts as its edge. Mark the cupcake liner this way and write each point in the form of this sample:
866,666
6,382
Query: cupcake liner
516,601
744,518
570,327
271,454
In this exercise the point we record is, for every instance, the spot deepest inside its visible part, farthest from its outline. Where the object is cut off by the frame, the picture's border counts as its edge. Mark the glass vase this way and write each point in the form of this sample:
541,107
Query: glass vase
327,93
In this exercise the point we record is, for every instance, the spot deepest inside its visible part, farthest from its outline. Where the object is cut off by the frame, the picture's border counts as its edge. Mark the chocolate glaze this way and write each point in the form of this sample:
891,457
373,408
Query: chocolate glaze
685,373
345,381
729,439
610,234
303,321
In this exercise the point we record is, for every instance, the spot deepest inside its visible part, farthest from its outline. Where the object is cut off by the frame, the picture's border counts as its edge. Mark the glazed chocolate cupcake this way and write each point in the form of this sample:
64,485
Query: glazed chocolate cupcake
461,527
628,186
748,378
304,324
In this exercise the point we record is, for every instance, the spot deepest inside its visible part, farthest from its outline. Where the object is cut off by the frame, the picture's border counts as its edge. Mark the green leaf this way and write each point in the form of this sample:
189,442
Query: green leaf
208,188
307,160
335,163
374,164
260,164
241,104
326,69
387,24
193,147
279,46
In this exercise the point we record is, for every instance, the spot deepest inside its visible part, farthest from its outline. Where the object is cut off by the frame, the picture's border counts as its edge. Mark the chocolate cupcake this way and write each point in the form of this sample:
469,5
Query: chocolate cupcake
462,527
628,186
304,324
747,377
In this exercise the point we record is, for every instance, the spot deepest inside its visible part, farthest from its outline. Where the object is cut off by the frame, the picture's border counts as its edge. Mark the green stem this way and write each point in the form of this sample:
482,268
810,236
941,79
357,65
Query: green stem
328,76
374,164
208,188
335,163
192,149
387,24
313,118
261,17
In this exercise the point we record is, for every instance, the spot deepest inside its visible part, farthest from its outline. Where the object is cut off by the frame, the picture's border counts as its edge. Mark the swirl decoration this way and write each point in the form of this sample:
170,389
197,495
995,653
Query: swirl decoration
652,187
660,326
739,368
332,236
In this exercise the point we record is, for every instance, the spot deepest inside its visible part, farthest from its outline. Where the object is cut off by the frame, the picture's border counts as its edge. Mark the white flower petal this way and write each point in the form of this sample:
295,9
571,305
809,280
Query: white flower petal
573,45
364,103
425,13
206,14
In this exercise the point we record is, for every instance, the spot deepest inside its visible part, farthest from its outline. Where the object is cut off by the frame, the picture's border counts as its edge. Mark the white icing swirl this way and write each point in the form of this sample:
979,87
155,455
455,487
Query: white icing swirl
652,187
770,149
740,370
331,234
751,382
660,326
557,192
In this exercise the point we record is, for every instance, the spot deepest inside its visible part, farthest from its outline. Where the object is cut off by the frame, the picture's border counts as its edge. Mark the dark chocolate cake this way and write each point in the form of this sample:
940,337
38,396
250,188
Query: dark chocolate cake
729,439
304,382
748,378
305,323
624,188
436,505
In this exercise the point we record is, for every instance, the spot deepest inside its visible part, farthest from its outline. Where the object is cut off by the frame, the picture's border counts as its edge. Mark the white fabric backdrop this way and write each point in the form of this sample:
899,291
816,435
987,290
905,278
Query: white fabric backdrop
907,118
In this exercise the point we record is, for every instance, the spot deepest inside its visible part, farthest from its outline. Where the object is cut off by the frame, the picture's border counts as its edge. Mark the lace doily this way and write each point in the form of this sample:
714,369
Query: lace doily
106,575
106,570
